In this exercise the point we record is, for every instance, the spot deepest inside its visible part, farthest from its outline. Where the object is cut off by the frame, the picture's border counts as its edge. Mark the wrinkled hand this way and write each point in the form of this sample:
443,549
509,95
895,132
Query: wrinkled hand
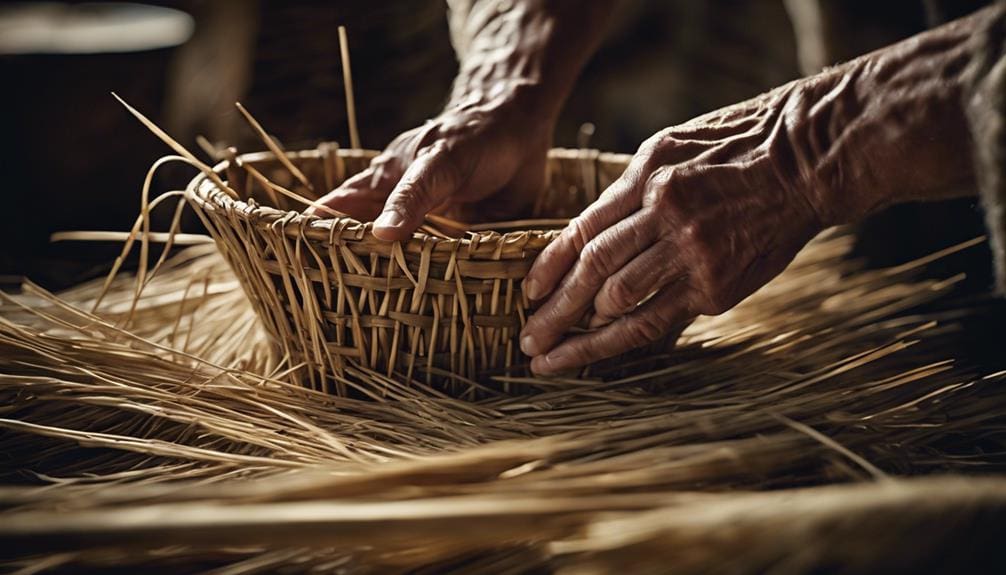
477,161
705,214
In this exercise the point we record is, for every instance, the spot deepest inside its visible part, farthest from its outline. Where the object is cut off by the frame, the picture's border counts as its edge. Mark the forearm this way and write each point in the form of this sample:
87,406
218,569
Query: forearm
888,127
527,49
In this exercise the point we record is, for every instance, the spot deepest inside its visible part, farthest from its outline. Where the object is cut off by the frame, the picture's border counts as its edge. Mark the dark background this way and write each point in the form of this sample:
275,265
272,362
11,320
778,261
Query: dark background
73,159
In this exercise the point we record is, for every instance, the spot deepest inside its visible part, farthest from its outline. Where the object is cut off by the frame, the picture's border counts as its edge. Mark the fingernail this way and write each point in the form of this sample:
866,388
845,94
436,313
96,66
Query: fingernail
389,219
538,366
554,359
546,364
528,345
532,288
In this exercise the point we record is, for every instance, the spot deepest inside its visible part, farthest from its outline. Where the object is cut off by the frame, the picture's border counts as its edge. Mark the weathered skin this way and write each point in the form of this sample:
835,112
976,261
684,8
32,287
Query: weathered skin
483,157
708,211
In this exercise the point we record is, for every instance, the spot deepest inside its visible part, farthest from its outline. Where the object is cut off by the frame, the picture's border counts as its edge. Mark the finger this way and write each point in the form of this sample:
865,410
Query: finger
431,179
647,273
511,202
649,323
601,257
361,196
618,201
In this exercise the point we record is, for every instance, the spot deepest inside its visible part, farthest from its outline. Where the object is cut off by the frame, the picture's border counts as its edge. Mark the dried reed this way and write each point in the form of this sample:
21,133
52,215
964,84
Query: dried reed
160,431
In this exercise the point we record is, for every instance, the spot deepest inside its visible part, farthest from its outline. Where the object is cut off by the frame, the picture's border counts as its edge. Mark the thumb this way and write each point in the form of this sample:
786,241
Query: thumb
430,180
361,196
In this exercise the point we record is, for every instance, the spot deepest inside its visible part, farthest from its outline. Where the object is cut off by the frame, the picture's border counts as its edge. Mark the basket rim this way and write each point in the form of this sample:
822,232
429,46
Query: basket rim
207,196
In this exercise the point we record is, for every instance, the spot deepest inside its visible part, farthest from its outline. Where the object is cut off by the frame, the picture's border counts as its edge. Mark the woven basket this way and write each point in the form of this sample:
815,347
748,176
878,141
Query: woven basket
332,295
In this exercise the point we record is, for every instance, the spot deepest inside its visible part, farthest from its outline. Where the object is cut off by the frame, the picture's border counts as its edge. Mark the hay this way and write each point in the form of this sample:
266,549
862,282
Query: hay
159,431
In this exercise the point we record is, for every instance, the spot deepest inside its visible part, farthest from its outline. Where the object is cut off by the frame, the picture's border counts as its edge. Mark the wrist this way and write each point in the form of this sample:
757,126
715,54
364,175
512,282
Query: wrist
512,81
886,128
827,130
527,54
520,107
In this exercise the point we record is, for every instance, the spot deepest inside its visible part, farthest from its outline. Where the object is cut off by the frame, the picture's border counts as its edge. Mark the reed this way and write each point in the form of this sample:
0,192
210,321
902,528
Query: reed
161,432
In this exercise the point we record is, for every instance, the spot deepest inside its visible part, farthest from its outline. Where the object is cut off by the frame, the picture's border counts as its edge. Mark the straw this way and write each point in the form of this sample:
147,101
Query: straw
347,78
148,456
274,147
174,145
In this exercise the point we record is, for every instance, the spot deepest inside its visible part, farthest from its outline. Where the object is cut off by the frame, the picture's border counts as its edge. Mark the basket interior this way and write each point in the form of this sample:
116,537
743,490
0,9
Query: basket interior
575,179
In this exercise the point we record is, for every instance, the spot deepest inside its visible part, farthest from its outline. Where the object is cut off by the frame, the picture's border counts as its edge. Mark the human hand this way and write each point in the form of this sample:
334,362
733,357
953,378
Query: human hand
479,160
484,157
705,214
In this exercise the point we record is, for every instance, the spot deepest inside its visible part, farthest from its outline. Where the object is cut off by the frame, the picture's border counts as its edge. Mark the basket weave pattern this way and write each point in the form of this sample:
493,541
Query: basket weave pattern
328,291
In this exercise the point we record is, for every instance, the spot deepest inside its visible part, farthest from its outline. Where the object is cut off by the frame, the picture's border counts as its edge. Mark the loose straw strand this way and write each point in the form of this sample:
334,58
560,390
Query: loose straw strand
347,76
180,149
274,147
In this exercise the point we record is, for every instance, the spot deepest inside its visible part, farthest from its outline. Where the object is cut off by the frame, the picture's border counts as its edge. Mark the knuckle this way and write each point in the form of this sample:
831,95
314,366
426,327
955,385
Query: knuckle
411,192
698,240
587,353
692,235
384,182
383,160
408,143
649,146
566,308
666,190
435,170
597,261
655,143
661,178
617,297
645,328
381,175
437,148
578,233
403,140
545,325
580,354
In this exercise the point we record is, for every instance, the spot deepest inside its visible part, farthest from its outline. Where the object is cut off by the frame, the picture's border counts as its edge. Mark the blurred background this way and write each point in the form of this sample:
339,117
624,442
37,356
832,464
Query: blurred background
73,159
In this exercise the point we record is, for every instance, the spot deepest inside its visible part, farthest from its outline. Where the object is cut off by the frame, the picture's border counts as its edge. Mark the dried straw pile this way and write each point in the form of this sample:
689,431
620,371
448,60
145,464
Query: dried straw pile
155,433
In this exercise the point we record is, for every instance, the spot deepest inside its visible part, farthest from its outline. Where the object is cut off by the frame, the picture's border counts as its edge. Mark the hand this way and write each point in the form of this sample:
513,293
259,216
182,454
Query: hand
477,161
705,214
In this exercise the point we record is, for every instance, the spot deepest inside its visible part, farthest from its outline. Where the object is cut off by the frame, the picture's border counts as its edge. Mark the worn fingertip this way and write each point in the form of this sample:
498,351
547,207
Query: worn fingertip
390,226
389,219
532,288
554,362
539,366
528,345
